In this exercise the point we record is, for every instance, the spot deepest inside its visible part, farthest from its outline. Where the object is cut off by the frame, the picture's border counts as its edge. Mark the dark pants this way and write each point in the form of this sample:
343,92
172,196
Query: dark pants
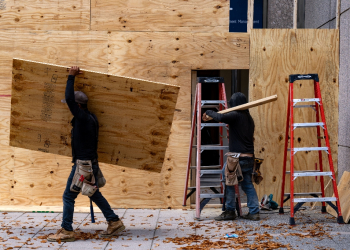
69,200
247,166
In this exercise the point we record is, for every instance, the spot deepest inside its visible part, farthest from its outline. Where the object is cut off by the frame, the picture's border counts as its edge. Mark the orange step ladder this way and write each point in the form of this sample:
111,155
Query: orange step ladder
291,126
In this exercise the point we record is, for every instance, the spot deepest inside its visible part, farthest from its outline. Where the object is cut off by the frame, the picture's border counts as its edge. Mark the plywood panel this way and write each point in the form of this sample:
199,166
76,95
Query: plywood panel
160,15
275,54
45,15
39,121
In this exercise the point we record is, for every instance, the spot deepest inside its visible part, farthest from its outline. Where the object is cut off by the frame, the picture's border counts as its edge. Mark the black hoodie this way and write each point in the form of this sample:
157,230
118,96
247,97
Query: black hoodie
241,125
85,127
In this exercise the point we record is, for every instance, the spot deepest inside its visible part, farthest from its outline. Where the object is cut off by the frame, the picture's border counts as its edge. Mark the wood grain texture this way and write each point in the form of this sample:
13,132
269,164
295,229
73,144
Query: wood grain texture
45,15
159,15
275,54
344,196
40,121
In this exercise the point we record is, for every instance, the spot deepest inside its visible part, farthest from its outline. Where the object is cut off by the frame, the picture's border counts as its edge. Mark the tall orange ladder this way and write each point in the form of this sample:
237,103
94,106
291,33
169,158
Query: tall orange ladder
318,107
203,171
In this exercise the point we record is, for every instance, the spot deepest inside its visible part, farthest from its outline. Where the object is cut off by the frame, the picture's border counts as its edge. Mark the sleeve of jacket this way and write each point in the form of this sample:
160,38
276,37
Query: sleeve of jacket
70,99
225,118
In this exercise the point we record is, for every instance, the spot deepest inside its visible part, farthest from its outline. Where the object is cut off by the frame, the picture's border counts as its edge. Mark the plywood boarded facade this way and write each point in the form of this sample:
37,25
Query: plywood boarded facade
163,47
161,54
274,55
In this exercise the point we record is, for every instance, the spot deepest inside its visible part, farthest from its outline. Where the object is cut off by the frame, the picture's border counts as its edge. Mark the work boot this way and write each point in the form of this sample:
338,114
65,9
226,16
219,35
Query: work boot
62,235
254,217
114,227
226,215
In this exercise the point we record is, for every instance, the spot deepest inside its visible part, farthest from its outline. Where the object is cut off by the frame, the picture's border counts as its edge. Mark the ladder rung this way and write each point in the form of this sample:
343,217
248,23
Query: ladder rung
213,147
306,100
211,195
310,149
304,171
213,124
304,106
213,102
210,106
302,194
190,188
315,199
217,180
206,167
211,171
308,125
316,173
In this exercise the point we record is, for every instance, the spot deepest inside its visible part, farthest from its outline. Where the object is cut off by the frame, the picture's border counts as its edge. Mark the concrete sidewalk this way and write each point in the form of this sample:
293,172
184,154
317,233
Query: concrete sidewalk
177,229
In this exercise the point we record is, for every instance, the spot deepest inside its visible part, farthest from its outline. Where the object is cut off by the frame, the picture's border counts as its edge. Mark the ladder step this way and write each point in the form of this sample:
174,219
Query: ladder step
315,199
308,125
213,124
211,195
191,188
310,149
304,171
203,102
304,106
213,147
302,194
217,180
316,173
206,167
306,100
211,171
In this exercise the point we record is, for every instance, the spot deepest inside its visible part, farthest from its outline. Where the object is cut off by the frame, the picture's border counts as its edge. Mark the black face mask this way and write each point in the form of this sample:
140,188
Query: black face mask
237,99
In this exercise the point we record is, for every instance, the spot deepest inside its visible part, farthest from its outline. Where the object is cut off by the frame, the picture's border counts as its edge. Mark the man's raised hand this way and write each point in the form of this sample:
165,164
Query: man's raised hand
74,70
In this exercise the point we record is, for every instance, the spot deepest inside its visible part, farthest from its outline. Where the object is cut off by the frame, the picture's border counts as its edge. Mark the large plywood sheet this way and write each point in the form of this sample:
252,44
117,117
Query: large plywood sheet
160,15
274,55
134,115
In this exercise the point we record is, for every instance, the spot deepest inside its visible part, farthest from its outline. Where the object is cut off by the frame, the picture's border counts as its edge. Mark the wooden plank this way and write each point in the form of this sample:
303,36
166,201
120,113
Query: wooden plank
170,15
274,55
118,102
338,14
46,15
344,196
250,16
250,104
295,14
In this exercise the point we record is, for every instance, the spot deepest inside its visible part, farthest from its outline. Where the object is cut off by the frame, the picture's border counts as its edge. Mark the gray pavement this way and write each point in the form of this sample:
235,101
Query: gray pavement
178,229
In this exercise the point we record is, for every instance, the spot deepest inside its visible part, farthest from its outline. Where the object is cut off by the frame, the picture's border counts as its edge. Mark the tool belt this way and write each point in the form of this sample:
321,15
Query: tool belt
84,180
233,172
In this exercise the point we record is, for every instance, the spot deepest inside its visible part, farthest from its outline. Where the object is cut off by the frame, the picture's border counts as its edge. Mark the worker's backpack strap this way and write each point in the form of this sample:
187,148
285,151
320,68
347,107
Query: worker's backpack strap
233,172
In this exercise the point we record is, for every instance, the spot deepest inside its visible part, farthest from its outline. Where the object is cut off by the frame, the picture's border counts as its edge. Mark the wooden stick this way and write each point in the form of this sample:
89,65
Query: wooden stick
295,14
250,17
338,14
249,105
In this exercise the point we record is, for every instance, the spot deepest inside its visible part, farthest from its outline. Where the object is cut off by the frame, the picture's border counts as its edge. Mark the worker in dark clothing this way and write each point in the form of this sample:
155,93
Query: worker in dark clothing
241,127
84,149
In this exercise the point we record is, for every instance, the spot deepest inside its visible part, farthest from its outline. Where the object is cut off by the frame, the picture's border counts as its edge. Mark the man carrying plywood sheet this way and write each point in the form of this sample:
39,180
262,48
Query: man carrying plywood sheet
86,175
